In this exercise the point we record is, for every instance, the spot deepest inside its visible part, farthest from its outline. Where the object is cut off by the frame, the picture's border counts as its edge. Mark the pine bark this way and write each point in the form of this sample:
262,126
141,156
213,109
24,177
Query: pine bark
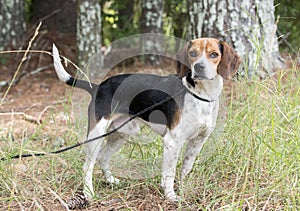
248,26
89,32
151,22
12,23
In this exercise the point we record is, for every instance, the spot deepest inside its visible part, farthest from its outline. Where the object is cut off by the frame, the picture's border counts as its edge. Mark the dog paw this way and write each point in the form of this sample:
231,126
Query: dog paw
78,201
109,177
172,197
112,180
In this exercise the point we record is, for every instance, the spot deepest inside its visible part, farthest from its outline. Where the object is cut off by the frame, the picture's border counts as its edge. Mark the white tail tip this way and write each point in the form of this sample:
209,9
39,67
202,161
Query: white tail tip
59,68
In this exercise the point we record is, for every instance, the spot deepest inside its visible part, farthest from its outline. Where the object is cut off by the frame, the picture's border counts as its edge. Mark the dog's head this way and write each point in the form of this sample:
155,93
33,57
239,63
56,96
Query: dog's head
205,58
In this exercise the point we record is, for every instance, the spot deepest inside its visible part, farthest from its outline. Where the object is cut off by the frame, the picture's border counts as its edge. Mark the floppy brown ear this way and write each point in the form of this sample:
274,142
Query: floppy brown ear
230,61
182,63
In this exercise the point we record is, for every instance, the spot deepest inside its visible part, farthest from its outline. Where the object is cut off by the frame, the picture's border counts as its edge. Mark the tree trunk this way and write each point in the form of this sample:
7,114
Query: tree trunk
152,15
89,33
248,26
12,23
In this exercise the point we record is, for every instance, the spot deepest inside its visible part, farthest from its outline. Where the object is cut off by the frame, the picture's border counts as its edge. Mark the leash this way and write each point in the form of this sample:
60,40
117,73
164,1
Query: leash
105,134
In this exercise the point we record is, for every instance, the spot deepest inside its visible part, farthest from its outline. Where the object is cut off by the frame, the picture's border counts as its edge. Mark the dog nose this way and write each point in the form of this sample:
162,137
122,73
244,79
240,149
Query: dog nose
200,66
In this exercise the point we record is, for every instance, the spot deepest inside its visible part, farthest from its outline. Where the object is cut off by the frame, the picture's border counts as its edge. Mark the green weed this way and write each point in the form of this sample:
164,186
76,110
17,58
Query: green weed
254,164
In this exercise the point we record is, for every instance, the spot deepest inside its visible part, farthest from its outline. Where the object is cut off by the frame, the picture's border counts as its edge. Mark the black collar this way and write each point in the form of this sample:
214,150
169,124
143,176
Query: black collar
200,98
192,83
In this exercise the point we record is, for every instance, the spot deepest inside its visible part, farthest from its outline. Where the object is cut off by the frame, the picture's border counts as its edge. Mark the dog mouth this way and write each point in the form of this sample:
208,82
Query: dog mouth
193,79
200,77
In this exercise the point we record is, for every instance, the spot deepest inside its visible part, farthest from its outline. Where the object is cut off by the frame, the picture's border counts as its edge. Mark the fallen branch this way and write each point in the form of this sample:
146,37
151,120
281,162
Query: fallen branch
22,75
40,69
26,117
43,111
37,120
3,83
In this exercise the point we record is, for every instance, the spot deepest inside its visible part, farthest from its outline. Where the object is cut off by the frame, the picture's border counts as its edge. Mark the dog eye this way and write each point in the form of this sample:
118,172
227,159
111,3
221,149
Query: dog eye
214,55
193,53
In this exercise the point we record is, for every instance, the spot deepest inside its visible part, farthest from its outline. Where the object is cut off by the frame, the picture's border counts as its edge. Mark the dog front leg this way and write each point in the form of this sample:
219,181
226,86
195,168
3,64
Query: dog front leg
170,157
193,148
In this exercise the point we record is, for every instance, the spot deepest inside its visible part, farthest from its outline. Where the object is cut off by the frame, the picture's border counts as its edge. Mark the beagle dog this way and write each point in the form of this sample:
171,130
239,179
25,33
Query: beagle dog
188,116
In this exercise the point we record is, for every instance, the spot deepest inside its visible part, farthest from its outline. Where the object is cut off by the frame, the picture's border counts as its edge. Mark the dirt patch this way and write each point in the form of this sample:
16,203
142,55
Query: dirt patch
35,92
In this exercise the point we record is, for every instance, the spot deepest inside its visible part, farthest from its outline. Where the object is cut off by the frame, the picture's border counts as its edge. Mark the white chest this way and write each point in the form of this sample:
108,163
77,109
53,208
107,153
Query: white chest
198,117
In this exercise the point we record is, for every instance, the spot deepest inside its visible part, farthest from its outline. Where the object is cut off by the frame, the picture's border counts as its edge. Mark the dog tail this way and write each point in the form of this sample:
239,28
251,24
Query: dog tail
66,77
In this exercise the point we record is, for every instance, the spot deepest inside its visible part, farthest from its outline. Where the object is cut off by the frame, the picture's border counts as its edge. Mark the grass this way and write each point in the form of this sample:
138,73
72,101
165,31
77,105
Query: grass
252,164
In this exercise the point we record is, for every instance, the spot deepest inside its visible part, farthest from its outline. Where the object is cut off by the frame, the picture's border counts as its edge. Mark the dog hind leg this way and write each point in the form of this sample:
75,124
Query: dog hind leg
108,149
171,152
93,149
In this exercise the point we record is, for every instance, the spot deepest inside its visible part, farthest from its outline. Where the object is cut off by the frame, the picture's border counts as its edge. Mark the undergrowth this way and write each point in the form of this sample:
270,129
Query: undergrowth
254,164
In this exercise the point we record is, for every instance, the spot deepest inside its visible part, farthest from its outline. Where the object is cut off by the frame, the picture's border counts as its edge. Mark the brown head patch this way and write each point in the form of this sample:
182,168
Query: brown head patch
182,62
230,61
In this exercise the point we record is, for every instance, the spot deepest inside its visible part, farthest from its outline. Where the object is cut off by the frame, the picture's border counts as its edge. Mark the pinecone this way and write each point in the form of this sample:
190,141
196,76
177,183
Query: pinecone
78,201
